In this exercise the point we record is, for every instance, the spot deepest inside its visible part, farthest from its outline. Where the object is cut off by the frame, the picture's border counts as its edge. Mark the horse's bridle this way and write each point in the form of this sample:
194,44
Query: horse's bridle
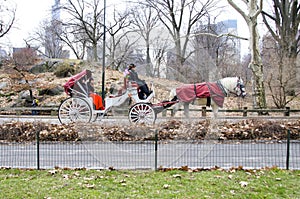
240,86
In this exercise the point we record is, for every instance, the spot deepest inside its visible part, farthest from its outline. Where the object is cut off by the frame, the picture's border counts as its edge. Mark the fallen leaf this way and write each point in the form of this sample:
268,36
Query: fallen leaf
166,186
66,176
176,176
90,186
52,172
243,183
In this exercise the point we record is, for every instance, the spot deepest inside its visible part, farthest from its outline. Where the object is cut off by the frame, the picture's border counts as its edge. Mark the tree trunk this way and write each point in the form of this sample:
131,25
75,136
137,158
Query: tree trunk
95,53
256,65
148,60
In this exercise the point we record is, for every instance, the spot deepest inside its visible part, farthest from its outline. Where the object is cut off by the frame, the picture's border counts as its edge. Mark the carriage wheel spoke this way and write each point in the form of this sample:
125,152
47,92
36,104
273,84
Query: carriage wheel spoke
74,110
142,113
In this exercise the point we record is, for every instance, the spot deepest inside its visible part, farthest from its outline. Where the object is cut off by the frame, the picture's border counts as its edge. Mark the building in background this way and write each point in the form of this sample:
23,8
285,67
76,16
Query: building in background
53,44
230,27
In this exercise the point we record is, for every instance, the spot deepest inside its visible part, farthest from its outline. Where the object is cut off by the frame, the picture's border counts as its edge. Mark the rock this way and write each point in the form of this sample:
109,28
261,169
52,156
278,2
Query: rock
39,68
3,85
51,91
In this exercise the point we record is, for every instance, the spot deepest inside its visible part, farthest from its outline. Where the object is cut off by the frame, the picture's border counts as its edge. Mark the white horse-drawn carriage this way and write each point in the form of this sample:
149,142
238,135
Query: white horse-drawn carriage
79,106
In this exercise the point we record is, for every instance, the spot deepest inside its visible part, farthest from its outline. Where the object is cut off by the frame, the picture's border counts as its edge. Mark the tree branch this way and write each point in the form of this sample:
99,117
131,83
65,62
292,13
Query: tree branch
238,9
219,36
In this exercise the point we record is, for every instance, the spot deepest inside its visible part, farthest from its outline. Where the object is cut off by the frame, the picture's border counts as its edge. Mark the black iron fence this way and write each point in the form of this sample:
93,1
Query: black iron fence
151,154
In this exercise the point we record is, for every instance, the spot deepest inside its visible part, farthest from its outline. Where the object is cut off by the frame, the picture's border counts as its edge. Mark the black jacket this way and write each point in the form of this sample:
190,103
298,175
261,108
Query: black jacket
133,76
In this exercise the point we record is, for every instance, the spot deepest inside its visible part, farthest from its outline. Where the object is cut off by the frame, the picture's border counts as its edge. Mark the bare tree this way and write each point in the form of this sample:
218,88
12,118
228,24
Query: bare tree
123,51
25,56
52,43
42,40
280,75
220,50
85,18
50,37
22,59
179,18
76,41
283,25
7,17
160,44
118,36
254,9
144,21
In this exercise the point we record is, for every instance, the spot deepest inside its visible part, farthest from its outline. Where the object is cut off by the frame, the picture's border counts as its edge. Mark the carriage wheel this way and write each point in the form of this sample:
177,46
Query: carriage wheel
74,110
142,113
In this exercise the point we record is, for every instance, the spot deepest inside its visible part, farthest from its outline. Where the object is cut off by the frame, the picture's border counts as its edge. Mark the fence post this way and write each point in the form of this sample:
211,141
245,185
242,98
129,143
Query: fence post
203,111
172,112
288,150
287,111
155,158
38,149
245,111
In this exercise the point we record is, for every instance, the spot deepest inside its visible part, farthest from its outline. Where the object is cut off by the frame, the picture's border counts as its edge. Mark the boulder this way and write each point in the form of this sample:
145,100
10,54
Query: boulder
51,91
3,85
39,68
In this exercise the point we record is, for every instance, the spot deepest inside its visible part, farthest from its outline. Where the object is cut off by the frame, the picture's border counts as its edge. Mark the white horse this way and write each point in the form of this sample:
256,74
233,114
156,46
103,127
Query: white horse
208,93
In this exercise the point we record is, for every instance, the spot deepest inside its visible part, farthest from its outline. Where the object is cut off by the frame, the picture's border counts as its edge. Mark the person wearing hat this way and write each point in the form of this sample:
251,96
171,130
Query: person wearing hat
132,75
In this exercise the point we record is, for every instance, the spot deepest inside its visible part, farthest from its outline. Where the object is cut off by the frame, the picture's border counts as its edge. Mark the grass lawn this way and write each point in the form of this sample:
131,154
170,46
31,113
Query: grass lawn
65,183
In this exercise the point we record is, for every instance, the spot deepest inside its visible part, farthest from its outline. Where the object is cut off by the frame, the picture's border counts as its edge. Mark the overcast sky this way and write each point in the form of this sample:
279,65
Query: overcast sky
30,13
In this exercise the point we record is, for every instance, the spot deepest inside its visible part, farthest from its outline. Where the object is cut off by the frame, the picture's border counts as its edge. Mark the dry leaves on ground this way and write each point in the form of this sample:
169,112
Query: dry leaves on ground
170,130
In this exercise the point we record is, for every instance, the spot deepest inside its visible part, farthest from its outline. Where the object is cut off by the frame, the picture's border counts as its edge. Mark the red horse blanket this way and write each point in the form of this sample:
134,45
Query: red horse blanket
189,92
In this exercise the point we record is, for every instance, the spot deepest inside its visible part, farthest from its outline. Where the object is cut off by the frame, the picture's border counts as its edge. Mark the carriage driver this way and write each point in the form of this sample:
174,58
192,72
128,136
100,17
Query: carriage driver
132,75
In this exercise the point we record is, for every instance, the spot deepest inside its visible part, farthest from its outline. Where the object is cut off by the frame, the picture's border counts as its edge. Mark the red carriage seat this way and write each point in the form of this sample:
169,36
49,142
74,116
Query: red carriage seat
69,85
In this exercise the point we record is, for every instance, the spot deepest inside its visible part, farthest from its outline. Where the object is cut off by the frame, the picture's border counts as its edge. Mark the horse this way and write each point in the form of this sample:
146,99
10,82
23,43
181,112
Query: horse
208,93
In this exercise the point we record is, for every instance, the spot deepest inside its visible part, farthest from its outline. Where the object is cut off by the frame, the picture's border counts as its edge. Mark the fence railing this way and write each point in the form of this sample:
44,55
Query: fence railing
151,154
244,112
30,110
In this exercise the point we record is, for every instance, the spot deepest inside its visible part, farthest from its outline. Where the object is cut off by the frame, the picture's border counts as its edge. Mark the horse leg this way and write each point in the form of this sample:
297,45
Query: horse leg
215,109
213,130
186,109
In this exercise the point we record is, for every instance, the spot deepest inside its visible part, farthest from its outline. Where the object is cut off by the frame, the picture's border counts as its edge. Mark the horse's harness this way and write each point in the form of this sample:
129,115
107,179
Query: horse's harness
226,91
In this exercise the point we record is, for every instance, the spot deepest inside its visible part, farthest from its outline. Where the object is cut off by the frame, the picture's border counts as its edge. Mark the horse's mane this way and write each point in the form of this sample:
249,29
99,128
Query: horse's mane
229,83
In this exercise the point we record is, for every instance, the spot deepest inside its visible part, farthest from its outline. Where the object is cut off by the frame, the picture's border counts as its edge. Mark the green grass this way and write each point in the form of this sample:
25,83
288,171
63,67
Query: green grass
268,183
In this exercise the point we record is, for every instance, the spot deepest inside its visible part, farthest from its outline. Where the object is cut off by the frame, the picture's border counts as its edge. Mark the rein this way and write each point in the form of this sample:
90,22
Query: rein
222,88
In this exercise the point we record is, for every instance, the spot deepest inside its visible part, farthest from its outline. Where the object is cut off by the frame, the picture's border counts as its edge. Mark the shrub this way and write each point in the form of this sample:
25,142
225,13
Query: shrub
64,70
24,56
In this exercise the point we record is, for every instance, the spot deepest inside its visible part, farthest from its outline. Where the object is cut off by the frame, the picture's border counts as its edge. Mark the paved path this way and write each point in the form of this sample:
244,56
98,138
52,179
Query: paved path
206,154
124,119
